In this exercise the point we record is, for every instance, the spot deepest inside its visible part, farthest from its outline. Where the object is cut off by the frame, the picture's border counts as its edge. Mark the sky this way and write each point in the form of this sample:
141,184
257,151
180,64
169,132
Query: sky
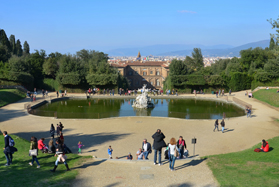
71,25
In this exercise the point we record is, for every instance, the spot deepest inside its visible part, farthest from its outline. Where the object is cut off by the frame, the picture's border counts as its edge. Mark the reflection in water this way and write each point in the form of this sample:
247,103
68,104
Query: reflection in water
104,108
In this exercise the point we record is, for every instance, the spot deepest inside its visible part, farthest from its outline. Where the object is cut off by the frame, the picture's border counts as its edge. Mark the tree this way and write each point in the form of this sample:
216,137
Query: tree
272,67
233,67
275,24
36,61
4,40
4,53
50,67
196,62
178,67
13,43
271,44
219,66
18,48
18,64
26,48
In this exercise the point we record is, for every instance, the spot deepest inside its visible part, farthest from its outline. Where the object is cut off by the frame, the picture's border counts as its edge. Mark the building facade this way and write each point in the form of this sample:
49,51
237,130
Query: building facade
151,73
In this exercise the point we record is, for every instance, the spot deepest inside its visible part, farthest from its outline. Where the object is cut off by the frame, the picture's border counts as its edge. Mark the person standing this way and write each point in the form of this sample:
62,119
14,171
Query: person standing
158,144
8,149
52,131
176,92
216,125
181,144
110,152
230,92
112,92
57,93
60,156
61,127
172,151
146,147
58,130
34,146
223,125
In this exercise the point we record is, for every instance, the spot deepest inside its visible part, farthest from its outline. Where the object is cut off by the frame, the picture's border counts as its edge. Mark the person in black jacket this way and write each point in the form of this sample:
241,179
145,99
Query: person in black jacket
7,150
60,155
52,131
158,144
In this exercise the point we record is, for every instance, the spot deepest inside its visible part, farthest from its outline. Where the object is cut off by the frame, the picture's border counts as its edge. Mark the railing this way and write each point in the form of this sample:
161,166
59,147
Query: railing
129,113
242,103
28,105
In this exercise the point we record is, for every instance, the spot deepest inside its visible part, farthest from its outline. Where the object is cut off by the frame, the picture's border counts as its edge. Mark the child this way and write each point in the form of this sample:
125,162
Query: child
110,152
79,147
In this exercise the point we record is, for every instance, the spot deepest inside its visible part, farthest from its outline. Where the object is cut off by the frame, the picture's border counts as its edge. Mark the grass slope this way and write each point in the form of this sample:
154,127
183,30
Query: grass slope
247,168
20,173
10,96
269,96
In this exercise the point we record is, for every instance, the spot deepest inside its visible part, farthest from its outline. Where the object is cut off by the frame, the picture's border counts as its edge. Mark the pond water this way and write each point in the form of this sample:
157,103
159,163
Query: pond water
105,108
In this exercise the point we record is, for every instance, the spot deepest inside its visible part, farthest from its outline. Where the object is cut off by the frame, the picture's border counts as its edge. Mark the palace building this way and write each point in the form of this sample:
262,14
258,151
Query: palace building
151,73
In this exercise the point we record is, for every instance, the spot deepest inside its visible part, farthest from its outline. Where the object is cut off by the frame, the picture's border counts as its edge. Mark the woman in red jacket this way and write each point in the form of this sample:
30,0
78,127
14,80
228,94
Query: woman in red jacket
265,146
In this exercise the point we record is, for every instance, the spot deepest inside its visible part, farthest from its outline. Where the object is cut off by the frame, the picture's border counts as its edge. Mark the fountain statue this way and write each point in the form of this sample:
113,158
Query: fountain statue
142,100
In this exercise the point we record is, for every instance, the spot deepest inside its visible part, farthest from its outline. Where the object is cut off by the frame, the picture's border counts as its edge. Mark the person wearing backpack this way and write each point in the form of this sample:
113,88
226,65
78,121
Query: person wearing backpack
8,150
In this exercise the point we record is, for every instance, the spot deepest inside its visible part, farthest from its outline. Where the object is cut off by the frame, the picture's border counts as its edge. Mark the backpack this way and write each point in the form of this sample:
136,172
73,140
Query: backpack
11,142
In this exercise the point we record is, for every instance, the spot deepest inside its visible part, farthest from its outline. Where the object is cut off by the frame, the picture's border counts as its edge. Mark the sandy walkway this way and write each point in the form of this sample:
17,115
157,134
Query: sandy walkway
126,134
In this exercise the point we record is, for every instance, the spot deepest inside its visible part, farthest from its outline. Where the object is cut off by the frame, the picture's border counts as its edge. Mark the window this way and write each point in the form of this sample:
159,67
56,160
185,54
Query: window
143,69
144,73
130,73
157,73
158,82
151,82
137,82
151,72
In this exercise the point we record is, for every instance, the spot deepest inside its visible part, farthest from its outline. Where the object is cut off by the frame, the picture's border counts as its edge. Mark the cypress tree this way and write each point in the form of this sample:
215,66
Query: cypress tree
13,43
18,48
4,40
26,48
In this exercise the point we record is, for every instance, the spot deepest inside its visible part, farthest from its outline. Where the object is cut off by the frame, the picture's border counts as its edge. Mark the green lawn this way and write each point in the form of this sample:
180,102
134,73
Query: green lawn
20,173
269,96
247,168
10,96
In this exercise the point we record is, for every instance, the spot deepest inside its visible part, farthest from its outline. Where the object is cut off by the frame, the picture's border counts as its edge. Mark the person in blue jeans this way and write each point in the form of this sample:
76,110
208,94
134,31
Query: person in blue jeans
223,125
158,144
248,110
34,146
172,152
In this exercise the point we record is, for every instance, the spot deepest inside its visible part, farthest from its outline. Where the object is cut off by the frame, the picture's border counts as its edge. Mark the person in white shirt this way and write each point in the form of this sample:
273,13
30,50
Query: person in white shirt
173,154
146,148
140,155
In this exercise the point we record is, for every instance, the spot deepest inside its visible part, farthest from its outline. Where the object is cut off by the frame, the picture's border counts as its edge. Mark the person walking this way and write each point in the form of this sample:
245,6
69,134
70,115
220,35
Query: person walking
8,149
230,92
223,125
181,144
34,146
158,144
216,125
60,156
176,92
146,148
172,152
61,127
52,131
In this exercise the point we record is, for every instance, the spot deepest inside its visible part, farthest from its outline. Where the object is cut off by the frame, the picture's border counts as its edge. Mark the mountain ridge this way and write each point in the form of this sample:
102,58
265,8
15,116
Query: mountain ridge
183,50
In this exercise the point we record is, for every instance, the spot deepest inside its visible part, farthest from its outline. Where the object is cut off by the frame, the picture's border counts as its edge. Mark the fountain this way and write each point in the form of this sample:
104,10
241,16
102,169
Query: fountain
142,100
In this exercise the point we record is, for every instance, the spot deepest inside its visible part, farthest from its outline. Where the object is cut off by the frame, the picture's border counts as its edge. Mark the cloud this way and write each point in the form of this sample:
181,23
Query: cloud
186,12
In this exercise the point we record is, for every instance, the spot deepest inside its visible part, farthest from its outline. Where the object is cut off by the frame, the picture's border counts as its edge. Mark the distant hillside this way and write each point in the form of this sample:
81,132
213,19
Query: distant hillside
183,50
159,49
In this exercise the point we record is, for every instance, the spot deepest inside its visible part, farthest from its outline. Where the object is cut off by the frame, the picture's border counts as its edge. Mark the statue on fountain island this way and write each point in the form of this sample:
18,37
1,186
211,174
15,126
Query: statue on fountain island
142,100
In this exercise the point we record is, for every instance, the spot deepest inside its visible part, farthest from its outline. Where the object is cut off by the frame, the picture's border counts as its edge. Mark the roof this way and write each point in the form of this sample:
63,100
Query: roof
140,63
